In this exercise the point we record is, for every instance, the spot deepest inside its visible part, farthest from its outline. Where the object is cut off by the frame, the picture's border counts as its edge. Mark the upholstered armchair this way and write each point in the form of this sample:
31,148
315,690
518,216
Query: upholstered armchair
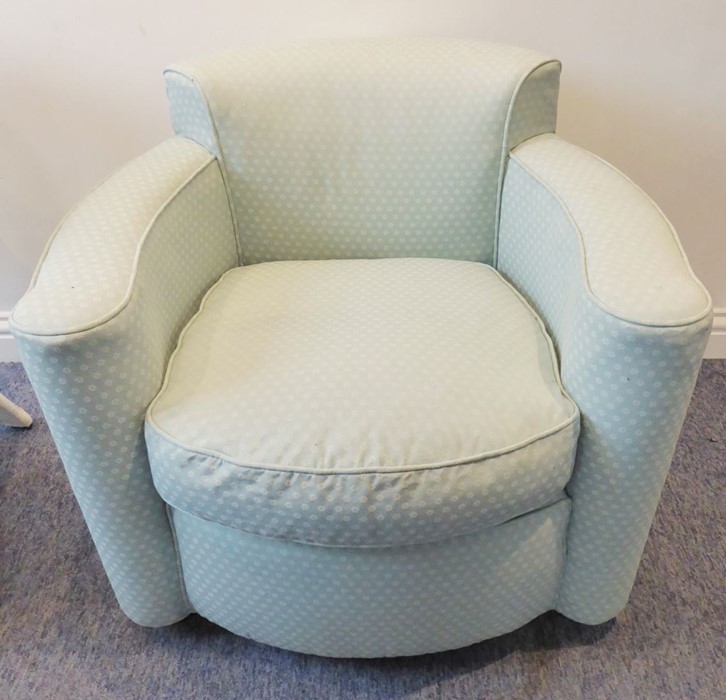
366,360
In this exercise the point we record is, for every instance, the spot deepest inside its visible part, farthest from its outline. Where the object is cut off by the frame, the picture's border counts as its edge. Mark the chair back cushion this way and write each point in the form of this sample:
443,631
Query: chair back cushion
365,148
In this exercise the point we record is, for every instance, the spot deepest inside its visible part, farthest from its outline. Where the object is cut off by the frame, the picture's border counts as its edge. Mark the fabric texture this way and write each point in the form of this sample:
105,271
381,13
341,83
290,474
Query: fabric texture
57,608
362,403
365,149
630,323
106,232
158,247
390,149
363,602
189,111
635,266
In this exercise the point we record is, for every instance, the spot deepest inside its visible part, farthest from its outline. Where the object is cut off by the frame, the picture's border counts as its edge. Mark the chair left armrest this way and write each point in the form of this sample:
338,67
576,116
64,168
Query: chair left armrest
120,278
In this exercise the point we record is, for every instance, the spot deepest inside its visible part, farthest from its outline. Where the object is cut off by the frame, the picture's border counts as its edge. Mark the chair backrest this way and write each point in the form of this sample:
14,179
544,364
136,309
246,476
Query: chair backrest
365,148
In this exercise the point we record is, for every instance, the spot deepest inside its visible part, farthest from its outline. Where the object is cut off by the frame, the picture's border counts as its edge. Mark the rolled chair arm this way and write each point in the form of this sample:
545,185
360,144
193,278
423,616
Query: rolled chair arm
604,269
118,280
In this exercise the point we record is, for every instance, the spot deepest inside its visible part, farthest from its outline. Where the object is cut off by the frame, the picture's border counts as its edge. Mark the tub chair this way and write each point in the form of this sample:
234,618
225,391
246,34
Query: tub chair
366,360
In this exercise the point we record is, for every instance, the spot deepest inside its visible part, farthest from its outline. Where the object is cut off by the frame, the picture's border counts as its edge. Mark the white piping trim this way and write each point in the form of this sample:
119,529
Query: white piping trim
506,149
352,471
583,252
502,161
222,159
573,418
562,498
17,327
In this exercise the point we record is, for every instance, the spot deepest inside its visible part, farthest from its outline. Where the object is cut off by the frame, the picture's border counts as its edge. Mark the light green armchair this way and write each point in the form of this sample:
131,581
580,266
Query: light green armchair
365,360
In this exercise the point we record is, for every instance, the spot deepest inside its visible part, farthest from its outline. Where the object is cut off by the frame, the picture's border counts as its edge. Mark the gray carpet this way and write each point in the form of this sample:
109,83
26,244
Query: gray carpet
62,635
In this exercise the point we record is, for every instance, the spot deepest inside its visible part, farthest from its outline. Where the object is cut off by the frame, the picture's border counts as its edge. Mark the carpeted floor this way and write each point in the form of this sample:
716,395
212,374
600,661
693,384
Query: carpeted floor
62,635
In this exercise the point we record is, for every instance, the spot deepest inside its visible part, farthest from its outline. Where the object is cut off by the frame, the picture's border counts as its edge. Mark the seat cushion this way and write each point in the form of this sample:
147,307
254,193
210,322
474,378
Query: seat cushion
362,403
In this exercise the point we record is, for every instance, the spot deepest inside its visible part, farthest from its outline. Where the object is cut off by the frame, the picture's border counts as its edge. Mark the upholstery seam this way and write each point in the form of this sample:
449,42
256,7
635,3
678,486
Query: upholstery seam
565,540
177,554
573,420
120,306
691,320
562,498
222,160
553,354
560,427
506,150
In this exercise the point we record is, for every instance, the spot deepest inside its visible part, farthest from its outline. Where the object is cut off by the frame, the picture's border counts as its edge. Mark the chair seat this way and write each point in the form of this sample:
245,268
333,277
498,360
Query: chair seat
362,403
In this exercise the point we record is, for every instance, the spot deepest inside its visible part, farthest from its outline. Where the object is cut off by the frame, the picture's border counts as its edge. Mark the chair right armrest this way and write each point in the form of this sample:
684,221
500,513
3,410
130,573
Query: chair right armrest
604,269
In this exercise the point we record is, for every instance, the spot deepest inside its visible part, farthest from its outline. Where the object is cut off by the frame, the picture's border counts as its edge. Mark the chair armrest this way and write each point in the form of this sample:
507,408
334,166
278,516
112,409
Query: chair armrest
605,271
119,279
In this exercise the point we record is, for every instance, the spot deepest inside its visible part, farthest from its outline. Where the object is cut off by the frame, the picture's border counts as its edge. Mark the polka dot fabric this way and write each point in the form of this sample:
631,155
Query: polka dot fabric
365,149
631,379
371,602
105,232
384,443
95,385
190,116
623,273
362,402
534,110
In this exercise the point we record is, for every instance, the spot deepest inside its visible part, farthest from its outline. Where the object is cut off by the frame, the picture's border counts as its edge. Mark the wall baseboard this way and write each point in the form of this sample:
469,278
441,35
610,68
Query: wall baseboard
716,345
8,350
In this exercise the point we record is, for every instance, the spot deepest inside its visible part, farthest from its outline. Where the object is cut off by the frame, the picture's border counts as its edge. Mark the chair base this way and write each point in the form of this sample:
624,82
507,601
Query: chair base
376,601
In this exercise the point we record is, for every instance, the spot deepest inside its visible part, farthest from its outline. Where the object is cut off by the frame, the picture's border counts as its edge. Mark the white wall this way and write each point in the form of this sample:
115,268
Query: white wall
644,85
